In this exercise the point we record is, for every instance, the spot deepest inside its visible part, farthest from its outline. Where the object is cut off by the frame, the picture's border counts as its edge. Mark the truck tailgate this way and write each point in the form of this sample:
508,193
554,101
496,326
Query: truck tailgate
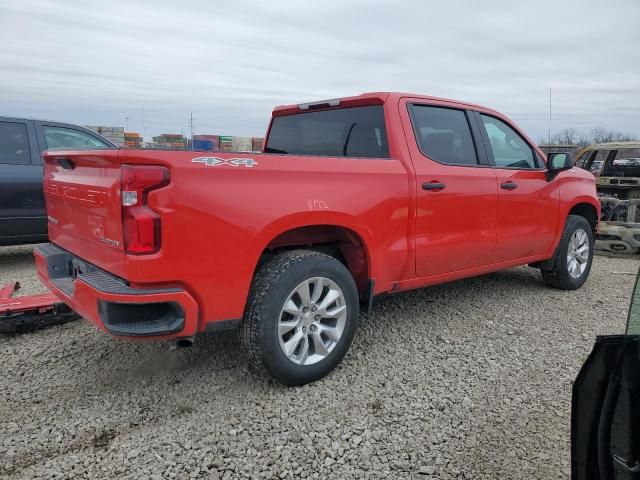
82,195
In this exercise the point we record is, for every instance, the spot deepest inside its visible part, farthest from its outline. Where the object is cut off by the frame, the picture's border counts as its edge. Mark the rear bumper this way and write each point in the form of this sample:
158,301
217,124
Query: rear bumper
111,304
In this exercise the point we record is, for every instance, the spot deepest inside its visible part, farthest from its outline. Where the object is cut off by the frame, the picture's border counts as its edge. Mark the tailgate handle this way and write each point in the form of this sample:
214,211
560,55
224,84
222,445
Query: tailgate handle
66,163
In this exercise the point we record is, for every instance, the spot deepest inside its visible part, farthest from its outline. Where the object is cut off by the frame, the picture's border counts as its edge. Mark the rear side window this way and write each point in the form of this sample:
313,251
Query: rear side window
626,163
444,135
60,137
347,132
509,149
14,143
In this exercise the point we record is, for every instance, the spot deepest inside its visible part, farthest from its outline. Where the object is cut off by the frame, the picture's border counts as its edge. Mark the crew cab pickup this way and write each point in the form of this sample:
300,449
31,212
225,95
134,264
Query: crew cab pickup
22,141
351,198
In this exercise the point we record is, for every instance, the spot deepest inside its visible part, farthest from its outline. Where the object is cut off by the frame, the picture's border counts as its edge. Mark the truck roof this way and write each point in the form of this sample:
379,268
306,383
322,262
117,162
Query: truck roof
369,98
29,119
613,145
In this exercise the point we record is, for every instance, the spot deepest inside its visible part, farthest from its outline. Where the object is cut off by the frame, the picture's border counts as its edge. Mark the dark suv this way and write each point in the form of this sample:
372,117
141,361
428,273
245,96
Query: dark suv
22,212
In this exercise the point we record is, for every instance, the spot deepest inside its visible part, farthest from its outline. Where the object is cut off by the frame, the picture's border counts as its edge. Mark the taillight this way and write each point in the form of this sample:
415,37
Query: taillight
140,224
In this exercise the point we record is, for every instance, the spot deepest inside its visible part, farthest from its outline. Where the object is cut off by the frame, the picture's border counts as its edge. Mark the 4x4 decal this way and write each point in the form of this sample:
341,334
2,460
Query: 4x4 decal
234,162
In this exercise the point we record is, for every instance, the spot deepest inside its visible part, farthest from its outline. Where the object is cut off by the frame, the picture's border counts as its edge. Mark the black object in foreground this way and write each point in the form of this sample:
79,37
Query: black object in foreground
605,417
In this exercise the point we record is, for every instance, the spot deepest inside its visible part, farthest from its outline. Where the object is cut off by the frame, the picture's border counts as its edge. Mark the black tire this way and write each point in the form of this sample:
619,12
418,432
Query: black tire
271,287
558,275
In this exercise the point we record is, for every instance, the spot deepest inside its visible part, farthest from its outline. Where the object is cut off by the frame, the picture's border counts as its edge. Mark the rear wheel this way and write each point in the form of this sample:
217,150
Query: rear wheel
301,316
572,262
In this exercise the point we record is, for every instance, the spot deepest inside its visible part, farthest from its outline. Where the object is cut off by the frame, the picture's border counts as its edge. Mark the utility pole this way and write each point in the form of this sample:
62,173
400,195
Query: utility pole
191,128
549,140
144,132
127,122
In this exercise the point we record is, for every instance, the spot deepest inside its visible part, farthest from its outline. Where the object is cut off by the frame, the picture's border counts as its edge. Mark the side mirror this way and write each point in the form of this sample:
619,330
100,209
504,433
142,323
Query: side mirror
558,162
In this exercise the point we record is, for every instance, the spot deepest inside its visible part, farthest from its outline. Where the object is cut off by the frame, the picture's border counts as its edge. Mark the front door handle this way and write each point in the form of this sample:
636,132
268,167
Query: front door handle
433,186
509,185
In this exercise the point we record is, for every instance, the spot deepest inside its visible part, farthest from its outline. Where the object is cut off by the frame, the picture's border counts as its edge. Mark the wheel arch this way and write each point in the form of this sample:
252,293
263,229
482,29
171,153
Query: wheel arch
587,210
341,239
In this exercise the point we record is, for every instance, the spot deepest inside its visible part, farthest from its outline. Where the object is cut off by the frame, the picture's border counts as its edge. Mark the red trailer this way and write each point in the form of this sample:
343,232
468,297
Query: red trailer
30,312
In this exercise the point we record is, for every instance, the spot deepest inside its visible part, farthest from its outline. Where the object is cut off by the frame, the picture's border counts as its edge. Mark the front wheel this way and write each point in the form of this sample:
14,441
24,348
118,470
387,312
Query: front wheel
572,262
301,316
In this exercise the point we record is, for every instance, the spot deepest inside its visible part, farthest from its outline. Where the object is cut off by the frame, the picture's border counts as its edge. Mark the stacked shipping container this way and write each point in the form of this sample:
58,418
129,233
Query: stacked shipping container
226,143
132,140
114,134
210,143
171,140
206,142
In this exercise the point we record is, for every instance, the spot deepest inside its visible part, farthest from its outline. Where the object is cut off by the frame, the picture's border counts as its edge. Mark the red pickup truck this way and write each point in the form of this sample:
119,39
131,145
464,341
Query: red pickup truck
352,198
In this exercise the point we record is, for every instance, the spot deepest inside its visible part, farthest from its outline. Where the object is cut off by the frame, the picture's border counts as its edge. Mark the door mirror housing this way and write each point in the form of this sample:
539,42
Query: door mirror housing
558,162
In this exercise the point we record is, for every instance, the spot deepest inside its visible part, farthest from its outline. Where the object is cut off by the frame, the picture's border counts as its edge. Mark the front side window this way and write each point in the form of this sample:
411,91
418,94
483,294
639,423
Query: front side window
596,162
60,137
509,149
345,132
14,143
582,159
444,135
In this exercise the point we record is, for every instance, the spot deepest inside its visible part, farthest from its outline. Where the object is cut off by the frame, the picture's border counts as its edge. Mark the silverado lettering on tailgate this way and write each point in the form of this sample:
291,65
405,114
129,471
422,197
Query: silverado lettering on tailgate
92,196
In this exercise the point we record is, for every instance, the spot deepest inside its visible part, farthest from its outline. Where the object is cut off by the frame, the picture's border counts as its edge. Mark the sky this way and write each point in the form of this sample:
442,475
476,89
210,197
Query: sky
229,63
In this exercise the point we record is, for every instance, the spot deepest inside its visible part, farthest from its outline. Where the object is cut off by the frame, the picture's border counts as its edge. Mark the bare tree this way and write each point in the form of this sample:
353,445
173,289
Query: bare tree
601,135
566,136
571,136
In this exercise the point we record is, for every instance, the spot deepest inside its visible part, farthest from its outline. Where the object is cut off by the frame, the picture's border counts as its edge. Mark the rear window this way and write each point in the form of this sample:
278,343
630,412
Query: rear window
347,132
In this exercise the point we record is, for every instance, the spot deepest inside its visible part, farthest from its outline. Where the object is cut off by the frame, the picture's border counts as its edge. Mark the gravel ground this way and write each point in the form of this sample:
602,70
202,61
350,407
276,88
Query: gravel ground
466,380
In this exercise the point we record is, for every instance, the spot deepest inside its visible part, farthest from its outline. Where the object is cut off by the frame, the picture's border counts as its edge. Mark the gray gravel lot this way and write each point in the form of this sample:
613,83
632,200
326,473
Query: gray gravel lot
466,380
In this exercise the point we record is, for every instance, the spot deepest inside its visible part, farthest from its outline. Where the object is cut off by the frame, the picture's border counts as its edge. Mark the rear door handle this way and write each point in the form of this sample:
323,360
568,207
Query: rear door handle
509,185
433,186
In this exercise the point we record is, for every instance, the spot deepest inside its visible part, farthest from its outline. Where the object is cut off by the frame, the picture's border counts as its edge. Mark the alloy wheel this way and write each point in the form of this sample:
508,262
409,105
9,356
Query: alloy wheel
312,321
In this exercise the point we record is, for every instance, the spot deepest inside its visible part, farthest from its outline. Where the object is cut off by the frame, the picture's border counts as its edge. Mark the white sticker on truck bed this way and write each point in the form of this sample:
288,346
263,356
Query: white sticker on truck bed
233,162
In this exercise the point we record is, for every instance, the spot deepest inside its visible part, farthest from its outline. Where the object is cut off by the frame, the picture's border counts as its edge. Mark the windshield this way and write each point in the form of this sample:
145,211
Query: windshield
347,132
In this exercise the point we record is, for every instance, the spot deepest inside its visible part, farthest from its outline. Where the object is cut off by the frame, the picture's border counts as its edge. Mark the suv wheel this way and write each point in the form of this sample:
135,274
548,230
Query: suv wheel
573,257
301,316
